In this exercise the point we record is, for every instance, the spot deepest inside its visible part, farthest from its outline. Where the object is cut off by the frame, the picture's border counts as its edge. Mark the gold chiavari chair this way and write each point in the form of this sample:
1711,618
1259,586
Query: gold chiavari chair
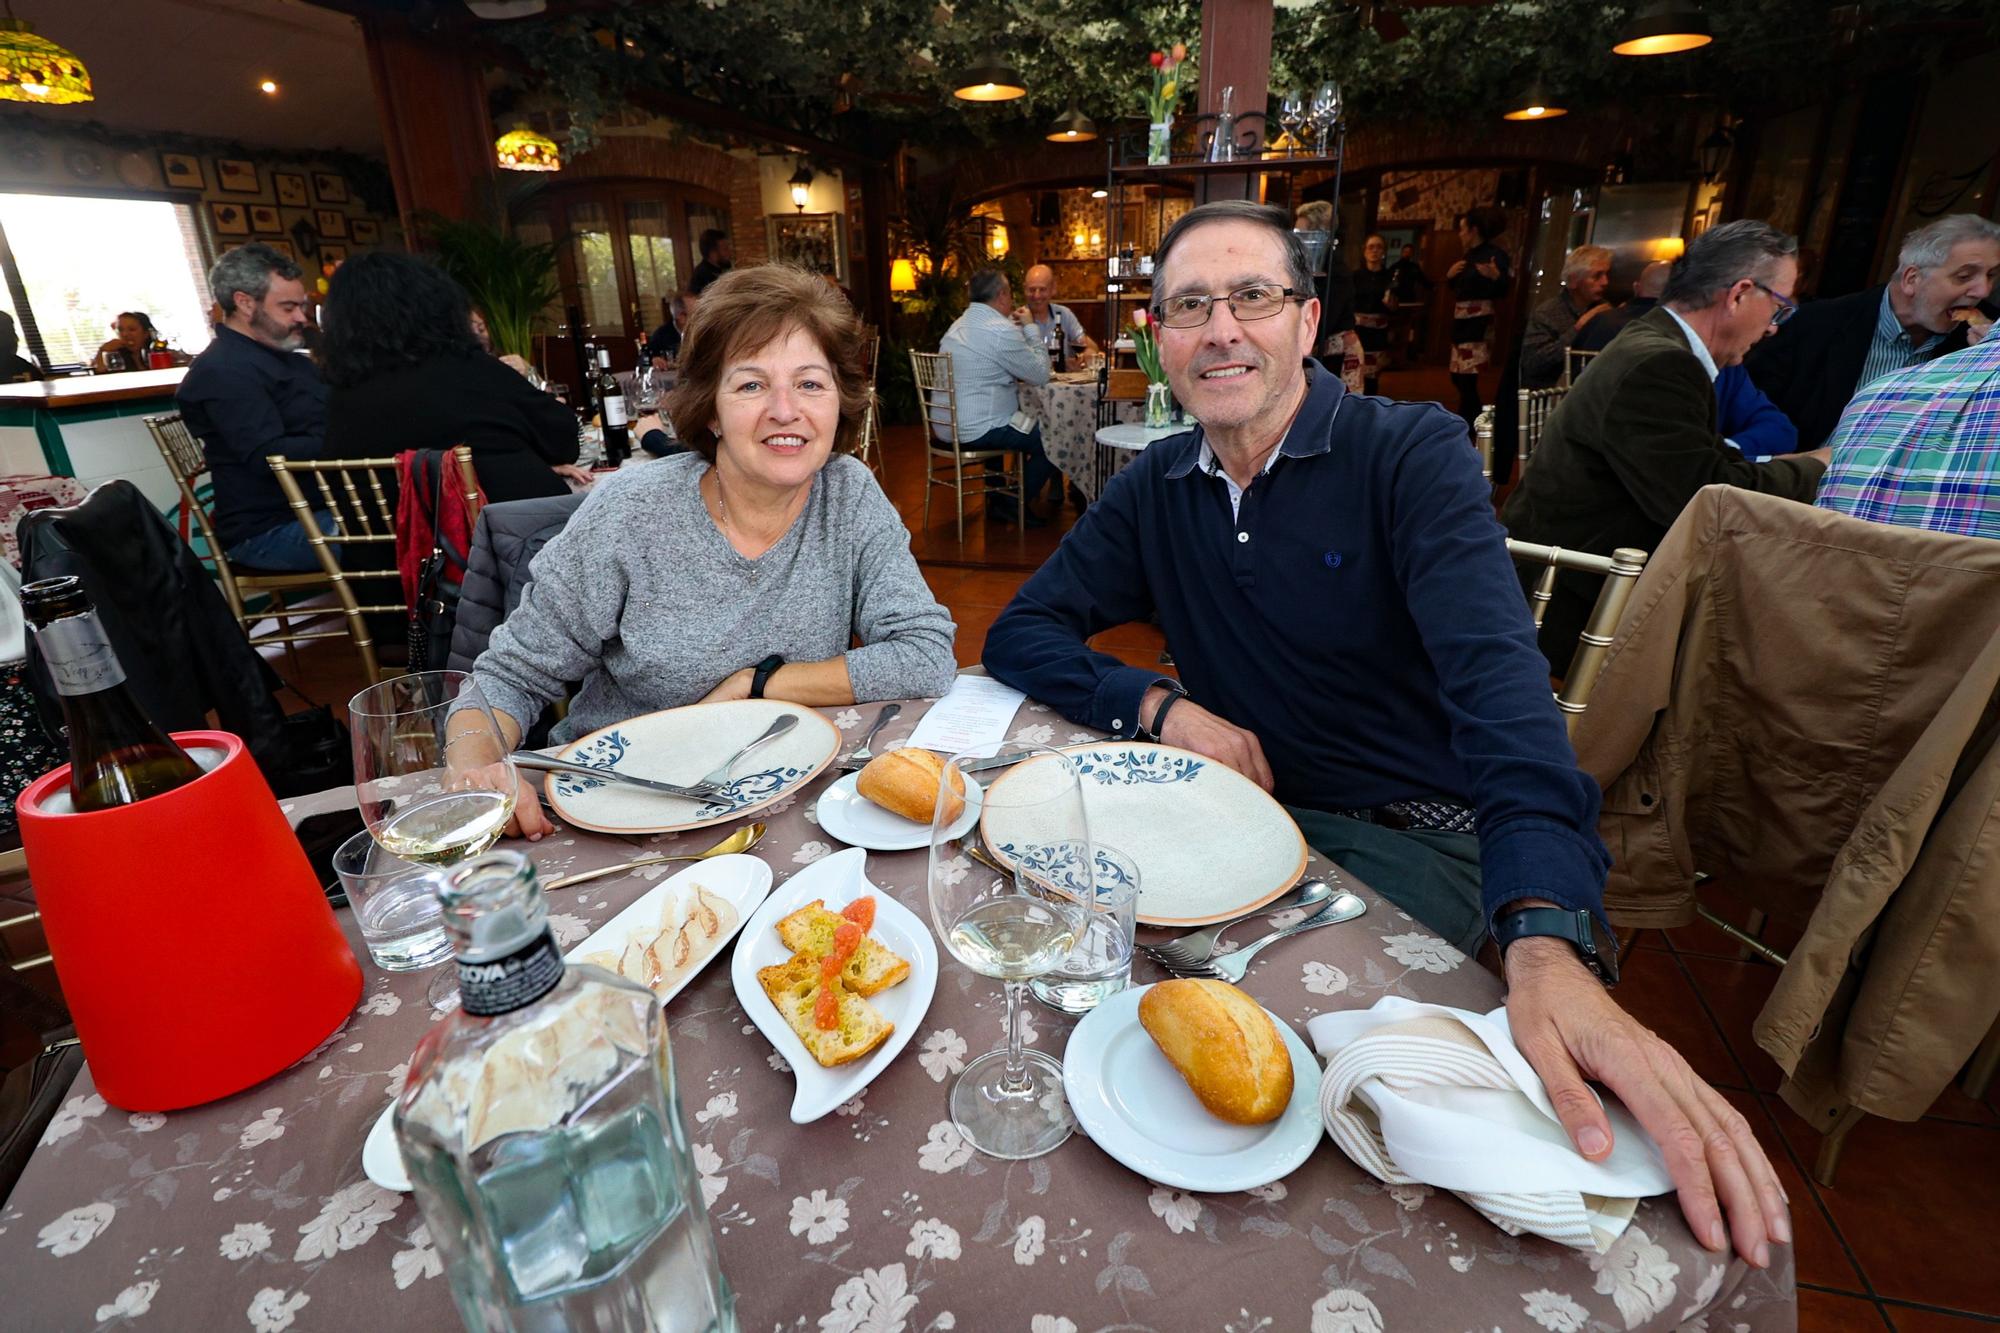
357,495
1621,570
938,401
187,464
1537,406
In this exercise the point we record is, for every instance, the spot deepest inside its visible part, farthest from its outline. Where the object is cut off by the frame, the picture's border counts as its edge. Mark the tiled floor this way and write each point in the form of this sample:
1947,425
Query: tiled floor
1903,1241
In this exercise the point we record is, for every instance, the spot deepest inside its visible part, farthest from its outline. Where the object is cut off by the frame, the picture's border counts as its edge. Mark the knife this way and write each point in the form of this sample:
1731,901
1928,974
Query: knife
548,764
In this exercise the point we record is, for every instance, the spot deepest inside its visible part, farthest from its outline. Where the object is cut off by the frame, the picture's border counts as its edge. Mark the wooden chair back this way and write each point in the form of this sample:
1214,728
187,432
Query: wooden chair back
1621,570
1123,386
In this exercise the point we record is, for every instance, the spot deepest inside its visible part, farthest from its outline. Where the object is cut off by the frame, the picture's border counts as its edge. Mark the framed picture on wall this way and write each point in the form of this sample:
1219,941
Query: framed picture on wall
291,187
332,254
284,248
230,219
331,222
364,231
329,187
815,241
233,175
264,218
182,171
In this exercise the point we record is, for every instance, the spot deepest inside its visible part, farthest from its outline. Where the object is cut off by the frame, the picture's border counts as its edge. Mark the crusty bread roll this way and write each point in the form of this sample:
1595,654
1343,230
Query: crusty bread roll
905,782
1224,1045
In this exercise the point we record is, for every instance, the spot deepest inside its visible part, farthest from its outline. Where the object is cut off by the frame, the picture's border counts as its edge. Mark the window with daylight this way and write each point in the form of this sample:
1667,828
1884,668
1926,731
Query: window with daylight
73,263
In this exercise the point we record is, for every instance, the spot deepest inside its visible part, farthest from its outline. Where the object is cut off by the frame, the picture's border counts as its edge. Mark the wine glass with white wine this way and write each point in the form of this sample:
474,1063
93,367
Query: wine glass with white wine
416,738
1003,900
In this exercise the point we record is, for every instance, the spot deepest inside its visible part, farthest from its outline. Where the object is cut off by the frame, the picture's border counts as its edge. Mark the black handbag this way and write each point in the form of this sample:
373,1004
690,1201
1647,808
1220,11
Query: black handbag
435,610
31,1094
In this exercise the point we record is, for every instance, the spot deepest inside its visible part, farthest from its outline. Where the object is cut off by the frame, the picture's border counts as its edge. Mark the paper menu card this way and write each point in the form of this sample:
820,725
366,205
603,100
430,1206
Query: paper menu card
973,715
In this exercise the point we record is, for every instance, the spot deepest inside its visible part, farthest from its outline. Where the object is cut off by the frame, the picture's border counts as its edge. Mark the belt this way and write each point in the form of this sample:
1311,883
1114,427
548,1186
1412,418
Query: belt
1418,816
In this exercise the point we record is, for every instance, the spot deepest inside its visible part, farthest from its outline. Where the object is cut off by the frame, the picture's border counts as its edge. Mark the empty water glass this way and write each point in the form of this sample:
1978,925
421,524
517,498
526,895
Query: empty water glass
1100,964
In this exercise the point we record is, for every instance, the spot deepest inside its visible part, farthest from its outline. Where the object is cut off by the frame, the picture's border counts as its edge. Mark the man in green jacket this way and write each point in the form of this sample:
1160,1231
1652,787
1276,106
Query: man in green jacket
1636,438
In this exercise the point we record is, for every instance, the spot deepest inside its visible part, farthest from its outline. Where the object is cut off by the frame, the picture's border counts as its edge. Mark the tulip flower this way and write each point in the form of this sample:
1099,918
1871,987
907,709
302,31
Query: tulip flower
1180,52
1140,317
1158,58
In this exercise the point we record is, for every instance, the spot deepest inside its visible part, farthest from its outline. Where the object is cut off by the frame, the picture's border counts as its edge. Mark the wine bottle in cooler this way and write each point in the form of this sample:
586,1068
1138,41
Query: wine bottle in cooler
117,754
617,420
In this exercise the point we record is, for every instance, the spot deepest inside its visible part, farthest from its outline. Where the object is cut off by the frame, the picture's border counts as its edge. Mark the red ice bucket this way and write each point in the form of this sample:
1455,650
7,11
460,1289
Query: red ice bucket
196,950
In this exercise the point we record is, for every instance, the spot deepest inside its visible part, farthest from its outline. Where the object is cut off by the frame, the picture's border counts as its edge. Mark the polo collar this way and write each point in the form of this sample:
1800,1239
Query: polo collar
1311,432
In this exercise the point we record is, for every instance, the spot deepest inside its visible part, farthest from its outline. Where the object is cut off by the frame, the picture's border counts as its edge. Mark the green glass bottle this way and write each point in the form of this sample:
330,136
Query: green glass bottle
117,754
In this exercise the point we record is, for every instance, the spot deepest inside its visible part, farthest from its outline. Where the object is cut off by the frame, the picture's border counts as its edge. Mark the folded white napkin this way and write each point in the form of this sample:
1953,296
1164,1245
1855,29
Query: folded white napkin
1420,1093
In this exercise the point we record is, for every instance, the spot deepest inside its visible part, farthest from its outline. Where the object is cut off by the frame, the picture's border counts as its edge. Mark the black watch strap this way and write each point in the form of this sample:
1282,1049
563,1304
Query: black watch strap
1593,945
761,674
1149,729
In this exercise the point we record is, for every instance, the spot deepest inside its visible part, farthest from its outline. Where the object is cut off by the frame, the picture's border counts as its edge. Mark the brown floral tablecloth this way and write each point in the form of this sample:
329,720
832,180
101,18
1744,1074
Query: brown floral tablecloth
254,1211
1068,413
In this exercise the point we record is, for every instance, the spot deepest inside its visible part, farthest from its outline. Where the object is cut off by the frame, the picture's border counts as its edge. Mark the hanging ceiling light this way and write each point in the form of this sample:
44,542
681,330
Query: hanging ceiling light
1537,105
1072,126
989,80
1662,27
35,69
1100,194
521,149
801,183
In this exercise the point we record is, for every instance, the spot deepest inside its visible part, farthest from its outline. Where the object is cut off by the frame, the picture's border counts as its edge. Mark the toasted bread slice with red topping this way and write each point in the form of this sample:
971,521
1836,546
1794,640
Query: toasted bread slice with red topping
874,967
794,987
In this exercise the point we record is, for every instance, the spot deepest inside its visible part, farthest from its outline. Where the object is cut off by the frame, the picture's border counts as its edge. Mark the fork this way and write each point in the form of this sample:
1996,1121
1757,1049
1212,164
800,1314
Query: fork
867,752
781,724
1198,946
1232,967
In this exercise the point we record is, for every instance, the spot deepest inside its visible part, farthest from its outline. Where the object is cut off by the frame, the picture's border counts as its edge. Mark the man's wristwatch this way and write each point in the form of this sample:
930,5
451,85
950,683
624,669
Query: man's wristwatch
1593,944
761,674
1149,727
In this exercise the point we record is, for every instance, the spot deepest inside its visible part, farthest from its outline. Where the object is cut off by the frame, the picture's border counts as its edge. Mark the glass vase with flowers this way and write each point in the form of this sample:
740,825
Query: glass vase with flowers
1146,351
1161,100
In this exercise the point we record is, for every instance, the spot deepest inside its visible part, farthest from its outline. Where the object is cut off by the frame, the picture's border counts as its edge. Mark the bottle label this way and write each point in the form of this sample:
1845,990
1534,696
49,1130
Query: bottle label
502,985
614,410
79,655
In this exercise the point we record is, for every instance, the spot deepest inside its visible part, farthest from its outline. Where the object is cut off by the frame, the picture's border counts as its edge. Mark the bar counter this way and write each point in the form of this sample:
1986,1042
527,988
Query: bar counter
90,427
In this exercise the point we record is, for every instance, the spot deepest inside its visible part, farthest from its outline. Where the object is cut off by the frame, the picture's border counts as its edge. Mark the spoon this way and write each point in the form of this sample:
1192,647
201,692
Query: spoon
779,726
740,841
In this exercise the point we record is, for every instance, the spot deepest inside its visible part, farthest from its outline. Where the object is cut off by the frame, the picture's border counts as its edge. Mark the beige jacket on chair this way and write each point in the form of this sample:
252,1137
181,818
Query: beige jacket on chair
1803,705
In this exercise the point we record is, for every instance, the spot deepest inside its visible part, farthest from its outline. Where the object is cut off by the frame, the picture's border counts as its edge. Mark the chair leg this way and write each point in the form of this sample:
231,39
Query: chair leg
1754,926
1985,1061
958,488
1832,1142
930,481
285,628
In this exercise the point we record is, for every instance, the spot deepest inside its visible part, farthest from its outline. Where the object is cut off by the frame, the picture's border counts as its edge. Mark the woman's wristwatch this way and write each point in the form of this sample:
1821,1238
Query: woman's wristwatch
761,674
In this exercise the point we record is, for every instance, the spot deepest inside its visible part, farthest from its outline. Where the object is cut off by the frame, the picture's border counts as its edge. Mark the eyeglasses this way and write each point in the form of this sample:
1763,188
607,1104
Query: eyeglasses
1787,307
1258,301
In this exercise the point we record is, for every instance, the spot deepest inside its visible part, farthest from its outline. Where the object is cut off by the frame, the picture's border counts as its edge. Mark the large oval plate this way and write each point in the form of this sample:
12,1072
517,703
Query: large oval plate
1210,844
1135,1105
685,745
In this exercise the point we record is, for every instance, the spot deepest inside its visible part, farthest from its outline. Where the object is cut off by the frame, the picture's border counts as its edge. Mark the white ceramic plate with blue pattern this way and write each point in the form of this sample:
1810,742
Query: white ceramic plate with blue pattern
684,745
1209,843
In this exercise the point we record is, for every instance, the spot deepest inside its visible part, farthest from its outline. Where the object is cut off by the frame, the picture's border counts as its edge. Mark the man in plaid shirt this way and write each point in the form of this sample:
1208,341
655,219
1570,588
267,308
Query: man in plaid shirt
1921,447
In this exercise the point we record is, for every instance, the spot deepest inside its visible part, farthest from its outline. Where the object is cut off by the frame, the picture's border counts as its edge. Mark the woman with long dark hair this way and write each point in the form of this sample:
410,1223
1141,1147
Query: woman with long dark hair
1477,281
134,346
406,372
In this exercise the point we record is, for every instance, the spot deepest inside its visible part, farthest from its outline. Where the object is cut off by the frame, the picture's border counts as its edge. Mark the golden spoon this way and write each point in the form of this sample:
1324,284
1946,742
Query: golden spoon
740,841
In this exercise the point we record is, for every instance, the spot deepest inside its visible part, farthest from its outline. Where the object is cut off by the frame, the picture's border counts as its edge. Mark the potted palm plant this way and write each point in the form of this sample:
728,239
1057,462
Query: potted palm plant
512,280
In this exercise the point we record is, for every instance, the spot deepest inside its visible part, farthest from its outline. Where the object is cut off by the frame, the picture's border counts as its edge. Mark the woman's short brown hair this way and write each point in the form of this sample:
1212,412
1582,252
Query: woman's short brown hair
748,308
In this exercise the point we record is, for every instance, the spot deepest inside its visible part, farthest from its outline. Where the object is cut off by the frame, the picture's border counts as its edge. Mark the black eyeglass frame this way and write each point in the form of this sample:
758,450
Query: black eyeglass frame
1208,299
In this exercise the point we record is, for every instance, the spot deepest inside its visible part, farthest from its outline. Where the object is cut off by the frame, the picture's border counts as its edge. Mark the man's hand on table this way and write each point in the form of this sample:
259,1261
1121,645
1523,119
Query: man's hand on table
1570,1030
1192,727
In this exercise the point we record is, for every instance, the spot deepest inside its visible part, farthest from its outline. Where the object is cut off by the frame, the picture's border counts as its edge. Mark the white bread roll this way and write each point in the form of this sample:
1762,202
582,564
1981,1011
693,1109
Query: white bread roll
1225,1046
905,782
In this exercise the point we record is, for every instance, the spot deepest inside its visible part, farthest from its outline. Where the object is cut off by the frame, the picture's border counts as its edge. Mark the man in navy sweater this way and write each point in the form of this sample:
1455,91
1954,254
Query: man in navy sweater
1335,587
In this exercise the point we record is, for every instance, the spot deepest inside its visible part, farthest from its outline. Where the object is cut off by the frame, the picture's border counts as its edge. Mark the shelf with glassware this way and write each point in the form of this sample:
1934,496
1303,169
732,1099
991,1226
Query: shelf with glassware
1240,152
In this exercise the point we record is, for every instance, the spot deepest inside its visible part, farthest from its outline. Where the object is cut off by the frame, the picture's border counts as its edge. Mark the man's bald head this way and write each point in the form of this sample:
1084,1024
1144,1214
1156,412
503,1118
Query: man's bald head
1652,279
1039,284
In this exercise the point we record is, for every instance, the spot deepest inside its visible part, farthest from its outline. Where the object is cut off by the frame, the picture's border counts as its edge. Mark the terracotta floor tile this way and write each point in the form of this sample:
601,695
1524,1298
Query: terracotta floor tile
1916,1203
1653,990
1818,1256
1953,1104
943,580
972,622
988,587
1908,1320
1824,1312
1703,938
1735,993
1138,634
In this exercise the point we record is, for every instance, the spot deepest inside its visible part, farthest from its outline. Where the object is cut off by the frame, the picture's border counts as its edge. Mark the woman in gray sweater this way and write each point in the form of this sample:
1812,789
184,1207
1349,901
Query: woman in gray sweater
679,581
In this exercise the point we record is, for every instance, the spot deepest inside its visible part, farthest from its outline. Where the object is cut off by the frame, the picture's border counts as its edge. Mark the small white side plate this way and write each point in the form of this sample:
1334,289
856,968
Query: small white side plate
837,880
1134,1104
742,880
859,822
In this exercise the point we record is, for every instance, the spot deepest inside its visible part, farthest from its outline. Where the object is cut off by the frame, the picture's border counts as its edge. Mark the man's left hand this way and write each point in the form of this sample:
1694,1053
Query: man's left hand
1570,1030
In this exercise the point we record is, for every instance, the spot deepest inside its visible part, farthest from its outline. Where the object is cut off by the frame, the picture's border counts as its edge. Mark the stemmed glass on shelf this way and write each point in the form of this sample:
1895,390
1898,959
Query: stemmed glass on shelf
1292,114
1012,924
417,741
1325,112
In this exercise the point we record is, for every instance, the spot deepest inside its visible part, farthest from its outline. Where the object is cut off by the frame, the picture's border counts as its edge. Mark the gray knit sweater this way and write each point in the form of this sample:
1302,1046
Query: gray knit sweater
643,600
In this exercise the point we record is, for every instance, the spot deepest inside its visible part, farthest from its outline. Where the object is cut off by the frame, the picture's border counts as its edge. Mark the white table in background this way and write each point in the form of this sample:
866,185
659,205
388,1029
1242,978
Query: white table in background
1118,444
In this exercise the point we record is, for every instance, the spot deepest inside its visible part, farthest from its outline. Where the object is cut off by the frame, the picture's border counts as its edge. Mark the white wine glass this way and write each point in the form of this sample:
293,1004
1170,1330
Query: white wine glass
1004,899
417,740
1326,111
1292,114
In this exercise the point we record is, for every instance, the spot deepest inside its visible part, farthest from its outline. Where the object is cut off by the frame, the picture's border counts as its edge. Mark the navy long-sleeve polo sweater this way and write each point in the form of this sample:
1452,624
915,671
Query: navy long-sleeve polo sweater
1360,614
